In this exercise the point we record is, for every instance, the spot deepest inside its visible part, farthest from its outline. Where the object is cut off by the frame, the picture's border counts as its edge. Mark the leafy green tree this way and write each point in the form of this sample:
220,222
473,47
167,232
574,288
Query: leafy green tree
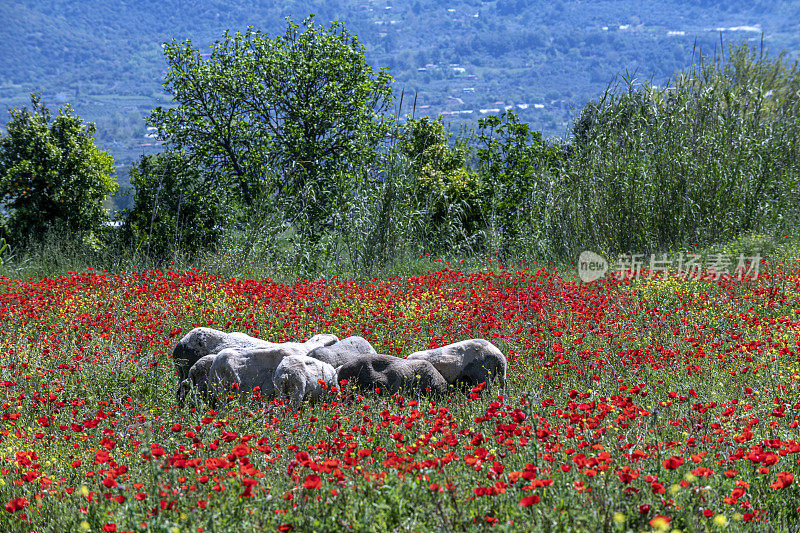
174,210
441,167
52,175
292,116
516,165
444,189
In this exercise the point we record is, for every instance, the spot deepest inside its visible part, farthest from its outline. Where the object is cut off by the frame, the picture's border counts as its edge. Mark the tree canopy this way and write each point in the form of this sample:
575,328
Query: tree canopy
52,175
289,115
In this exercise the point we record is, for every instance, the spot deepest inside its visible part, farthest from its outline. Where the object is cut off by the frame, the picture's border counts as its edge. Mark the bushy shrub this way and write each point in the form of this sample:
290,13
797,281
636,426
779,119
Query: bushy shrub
518,169
712,155
174,210
446,193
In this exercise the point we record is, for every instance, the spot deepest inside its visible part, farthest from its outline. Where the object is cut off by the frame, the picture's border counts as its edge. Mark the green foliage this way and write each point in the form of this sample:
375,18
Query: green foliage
290,116
441,166
519,168
3,259
52,175
447,194
418,136
486,192
283,135
703,160
711,156
174,211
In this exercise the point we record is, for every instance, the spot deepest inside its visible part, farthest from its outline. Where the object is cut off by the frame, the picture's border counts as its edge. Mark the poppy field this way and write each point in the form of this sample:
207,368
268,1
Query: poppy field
656,403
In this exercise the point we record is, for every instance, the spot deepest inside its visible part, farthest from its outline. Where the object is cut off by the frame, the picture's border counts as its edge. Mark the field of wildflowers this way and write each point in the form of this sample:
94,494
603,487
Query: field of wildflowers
644,404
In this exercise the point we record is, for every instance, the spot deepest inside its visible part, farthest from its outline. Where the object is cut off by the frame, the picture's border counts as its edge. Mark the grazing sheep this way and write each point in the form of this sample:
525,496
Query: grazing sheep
203,341
470,362
200,342
392,374
343,351
298,377
198,378
253,367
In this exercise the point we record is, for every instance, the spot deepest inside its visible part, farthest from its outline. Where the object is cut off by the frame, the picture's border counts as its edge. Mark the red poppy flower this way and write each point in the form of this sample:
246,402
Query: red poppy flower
312,481
784,480
702,471
17,504
240,450
673,462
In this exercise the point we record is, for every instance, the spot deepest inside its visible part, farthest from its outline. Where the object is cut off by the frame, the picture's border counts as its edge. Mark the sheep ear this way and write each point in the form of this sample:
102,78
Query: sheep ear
337,369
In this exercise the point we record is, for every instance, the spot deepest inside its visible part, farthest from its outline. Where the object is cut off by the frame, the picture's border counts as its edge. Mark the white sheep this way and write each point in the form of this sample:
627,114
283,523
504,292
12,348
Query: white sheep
469,362
200,342
300,377
248,368
343,351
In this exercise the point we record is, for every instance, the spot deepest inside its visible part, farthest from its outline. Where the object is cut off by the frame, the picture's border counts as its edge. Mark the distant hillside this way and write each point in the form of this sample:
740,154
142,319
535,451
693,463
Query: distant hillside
464,58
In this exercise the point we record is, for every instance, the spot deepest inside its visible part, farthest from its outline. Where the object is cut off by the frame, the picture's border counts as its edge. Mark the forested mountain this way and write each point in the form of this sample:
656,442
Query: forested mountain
462,58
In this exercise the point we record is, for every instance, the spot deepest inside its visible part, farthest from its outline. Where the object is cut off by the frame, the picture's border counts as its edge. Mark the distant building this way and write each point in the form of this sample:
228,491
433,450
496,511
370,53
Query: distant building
756,28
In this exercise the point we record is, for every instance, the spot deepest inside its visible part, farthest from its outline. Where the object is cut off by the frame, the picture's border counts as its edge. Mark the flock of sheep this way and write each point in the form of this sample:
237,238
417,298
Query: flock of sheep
221,366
